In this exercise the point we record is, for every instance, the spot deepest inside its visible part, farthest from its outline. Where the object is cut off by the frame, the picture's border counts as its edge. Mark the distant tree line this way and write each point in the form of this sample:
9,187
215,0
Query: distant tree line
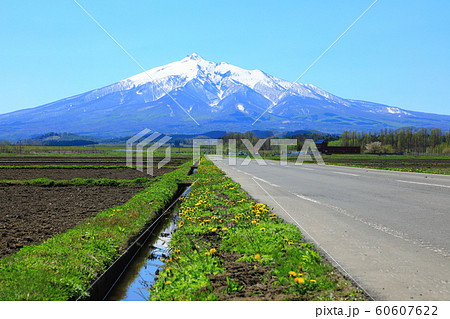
60,139
406,140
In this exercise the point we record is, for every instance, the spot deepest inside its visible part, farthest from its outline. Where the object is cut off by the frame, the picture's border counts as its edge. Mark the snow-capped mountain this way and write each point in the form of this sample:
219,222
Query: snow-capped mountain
216,81
194,95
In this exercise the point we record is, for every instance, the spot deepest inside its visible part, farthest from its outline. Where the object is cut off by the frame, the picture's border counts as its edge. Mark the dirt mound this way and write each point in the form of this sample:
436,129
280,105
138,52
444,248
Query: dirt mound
242,281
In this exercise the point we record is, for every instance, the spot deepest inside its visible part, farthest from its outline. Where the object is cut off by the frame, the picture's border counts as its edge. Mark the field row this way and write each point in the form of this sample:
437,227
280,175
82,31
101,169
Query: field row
94,233
66,174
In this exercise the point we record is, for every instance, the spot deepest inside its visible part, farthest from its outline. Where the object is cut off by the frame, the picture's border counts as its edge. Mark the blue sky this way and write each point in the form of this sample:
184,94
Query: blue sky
397,54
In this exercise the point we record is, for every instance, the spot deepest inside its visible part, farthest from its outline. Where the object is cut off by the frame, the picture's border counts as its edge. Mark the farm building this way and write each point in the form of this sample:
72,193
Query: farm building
323,147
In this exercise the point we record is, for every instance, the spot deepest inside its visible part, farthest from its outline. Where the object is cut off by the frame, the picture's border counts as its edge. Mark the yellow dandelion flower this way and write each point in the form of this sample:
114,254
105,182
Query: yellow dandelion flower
293,273
257,256
207,253
299,280
262,228
168,282
313,280
214,229
212,250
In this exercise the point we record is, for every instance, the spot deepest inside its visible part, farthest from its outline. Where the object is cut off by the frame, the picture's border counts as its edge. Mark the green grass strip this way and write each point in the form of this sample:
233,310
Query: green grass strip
428,170
217,217
64,266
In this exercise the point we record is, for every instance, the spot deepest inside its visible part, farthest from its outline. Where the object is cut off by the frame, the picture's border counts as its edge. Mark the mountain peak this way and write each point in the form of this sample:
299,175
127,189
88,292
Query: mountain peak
219,75
194,56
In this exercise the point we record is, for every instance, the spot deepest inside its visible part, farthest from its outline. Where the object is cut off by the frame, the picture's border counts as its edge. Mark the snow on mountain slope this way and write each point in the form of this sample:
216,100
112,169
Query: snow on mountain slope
221,76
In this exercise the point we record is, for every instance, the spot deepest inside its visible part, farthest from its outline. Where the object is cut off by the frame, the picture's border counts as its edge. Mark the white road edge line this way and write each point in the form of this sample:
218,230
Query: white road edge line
342,173
263,180
307,198
428,184
308,169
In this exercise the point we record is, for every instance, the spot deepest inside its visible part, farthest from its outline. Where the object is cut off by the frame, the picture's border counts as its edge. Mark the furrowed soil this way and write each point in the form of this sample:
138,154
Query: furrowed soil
31,214
78,172
67,173
55,158
80,162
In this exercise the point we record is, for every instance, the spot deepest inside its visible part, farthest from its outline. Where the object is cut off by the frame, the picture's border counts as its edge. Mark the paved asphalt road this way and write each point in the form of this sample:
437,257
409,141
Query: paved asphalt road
388,230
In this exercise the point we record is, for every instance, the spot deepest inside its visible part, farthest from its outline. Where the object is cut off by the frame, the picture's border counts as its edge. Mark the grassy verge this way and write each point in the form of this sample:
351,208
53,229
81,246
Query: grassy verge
46,182
362,157
229,247
384,156
401,163
62,267
407,167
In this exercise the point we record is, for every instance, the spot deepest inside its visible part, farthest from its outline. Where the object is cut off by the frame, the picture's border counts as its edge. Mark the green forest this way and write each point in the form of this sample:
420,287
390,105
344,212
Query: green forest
398,141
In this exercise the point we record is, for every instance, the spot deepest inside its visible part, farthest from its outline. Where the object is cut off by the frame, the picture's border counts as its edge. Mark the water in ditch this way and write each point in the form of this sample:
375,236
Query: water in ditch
140,275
